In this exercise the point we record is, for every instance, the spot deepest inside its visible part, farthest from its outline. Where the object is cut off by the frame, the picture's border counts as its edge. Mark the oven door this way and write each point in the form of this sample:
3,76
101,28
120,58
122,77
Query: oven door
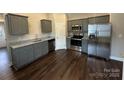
76,42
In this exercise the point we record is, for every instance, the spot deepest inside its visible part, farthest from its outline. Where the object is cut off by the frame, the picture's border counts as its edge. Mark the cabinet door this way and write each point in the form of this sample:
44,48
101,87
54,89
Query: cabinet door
85,25
102,19
91,20
15,57
85,46
43,26
14,24
44,46
22,56
49,26
76,22
68,42
46,26
17,25
37,50
69,27
23,22
26,54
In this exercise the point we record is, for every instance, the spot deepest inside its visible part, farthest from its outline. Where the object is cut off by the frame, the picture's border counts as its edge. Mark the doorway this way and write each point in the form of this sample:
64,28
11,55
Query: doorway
2,36
4,55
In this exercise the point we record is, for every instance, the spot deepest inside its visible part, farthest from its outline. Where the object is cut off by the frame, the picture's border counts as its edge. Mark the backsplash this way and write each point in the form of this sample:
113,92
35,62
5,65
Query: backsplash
14,39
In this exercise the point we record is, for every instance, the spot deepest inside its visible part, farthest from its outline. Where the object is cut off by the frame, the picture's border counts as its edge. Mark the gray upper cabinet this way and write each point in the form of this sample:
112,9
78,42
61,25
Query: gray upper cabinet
92,20
24,25
46,26
76,22
69,27
82,22
102,19
17,25
85,25
99,19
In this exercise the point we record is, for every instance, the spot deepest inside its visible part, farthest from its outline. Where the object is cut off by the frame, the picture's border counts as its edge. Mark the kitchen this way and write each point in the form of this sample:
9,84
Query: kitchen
58,32
90,34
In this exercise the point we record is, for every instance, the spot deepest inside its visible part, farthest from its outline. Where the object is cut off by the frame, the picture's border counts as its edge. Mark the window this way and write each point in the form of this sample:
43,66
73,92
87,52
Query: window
0,33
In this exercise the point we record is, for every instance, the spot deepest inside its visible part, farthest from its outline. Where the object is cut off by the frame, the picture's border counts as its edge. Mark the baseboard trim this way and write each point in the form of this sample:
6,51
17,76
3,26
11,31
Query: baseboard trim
60,48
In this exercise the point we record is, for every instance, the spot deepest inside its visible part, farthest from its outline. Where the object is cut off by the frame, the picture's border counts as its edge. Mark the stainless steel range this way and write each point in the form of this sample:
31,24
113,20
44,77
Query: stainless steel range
76,42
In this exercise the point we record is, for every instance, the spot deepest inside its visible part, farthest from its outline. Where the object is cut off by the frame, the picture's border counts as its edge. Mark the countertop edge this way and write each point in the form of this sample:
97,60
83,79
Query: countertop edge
29,43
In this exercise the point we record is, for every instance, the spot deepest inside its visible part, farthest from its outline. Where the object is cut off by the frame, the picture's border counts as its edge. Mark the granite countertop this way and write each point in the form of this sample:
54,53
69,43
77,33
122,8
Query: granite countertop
29,42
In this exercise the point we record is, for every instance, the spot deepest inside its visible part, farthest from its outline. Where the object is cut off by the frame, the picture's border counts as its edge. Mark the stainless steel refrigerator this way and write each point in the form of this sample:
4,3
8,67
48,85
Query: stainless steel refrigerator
99,41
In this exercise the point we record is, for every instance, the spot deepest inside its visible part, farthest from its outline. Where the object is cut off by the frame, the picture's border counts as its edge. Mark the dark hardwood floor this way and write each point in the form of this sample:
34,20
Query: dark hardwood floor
62,65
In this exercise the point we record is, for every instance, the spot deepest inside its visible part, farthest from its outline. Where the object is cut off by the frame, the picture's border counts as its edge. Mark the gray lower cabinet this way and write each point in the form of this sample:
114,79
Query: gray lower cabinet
22,56
84,46
44,47
68,42
27,54
40,49
37,50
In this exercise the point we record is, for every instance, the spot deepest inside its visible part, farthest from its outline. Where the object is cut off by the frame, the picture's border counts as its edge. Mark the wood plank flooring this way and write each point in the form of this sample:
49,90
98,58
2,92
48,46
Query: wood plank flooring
62,65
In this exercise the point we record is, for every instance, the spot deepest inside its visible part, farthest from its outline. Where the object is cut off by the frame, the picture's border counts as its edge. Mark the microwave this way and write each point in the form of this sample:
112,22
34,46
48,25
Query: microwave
76,27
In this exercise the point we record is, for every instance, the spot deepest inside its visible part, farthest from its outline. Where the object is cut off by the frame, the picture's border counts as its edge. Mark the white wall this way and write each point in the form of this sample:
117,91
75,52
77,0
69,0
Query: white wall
72,16
117,47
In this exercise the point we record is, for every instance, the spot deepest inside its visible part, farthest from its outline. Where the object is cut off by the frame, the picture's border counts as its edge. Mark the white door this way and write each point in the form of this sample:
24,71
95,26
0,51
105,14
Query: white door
60,36
60,31
2,36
